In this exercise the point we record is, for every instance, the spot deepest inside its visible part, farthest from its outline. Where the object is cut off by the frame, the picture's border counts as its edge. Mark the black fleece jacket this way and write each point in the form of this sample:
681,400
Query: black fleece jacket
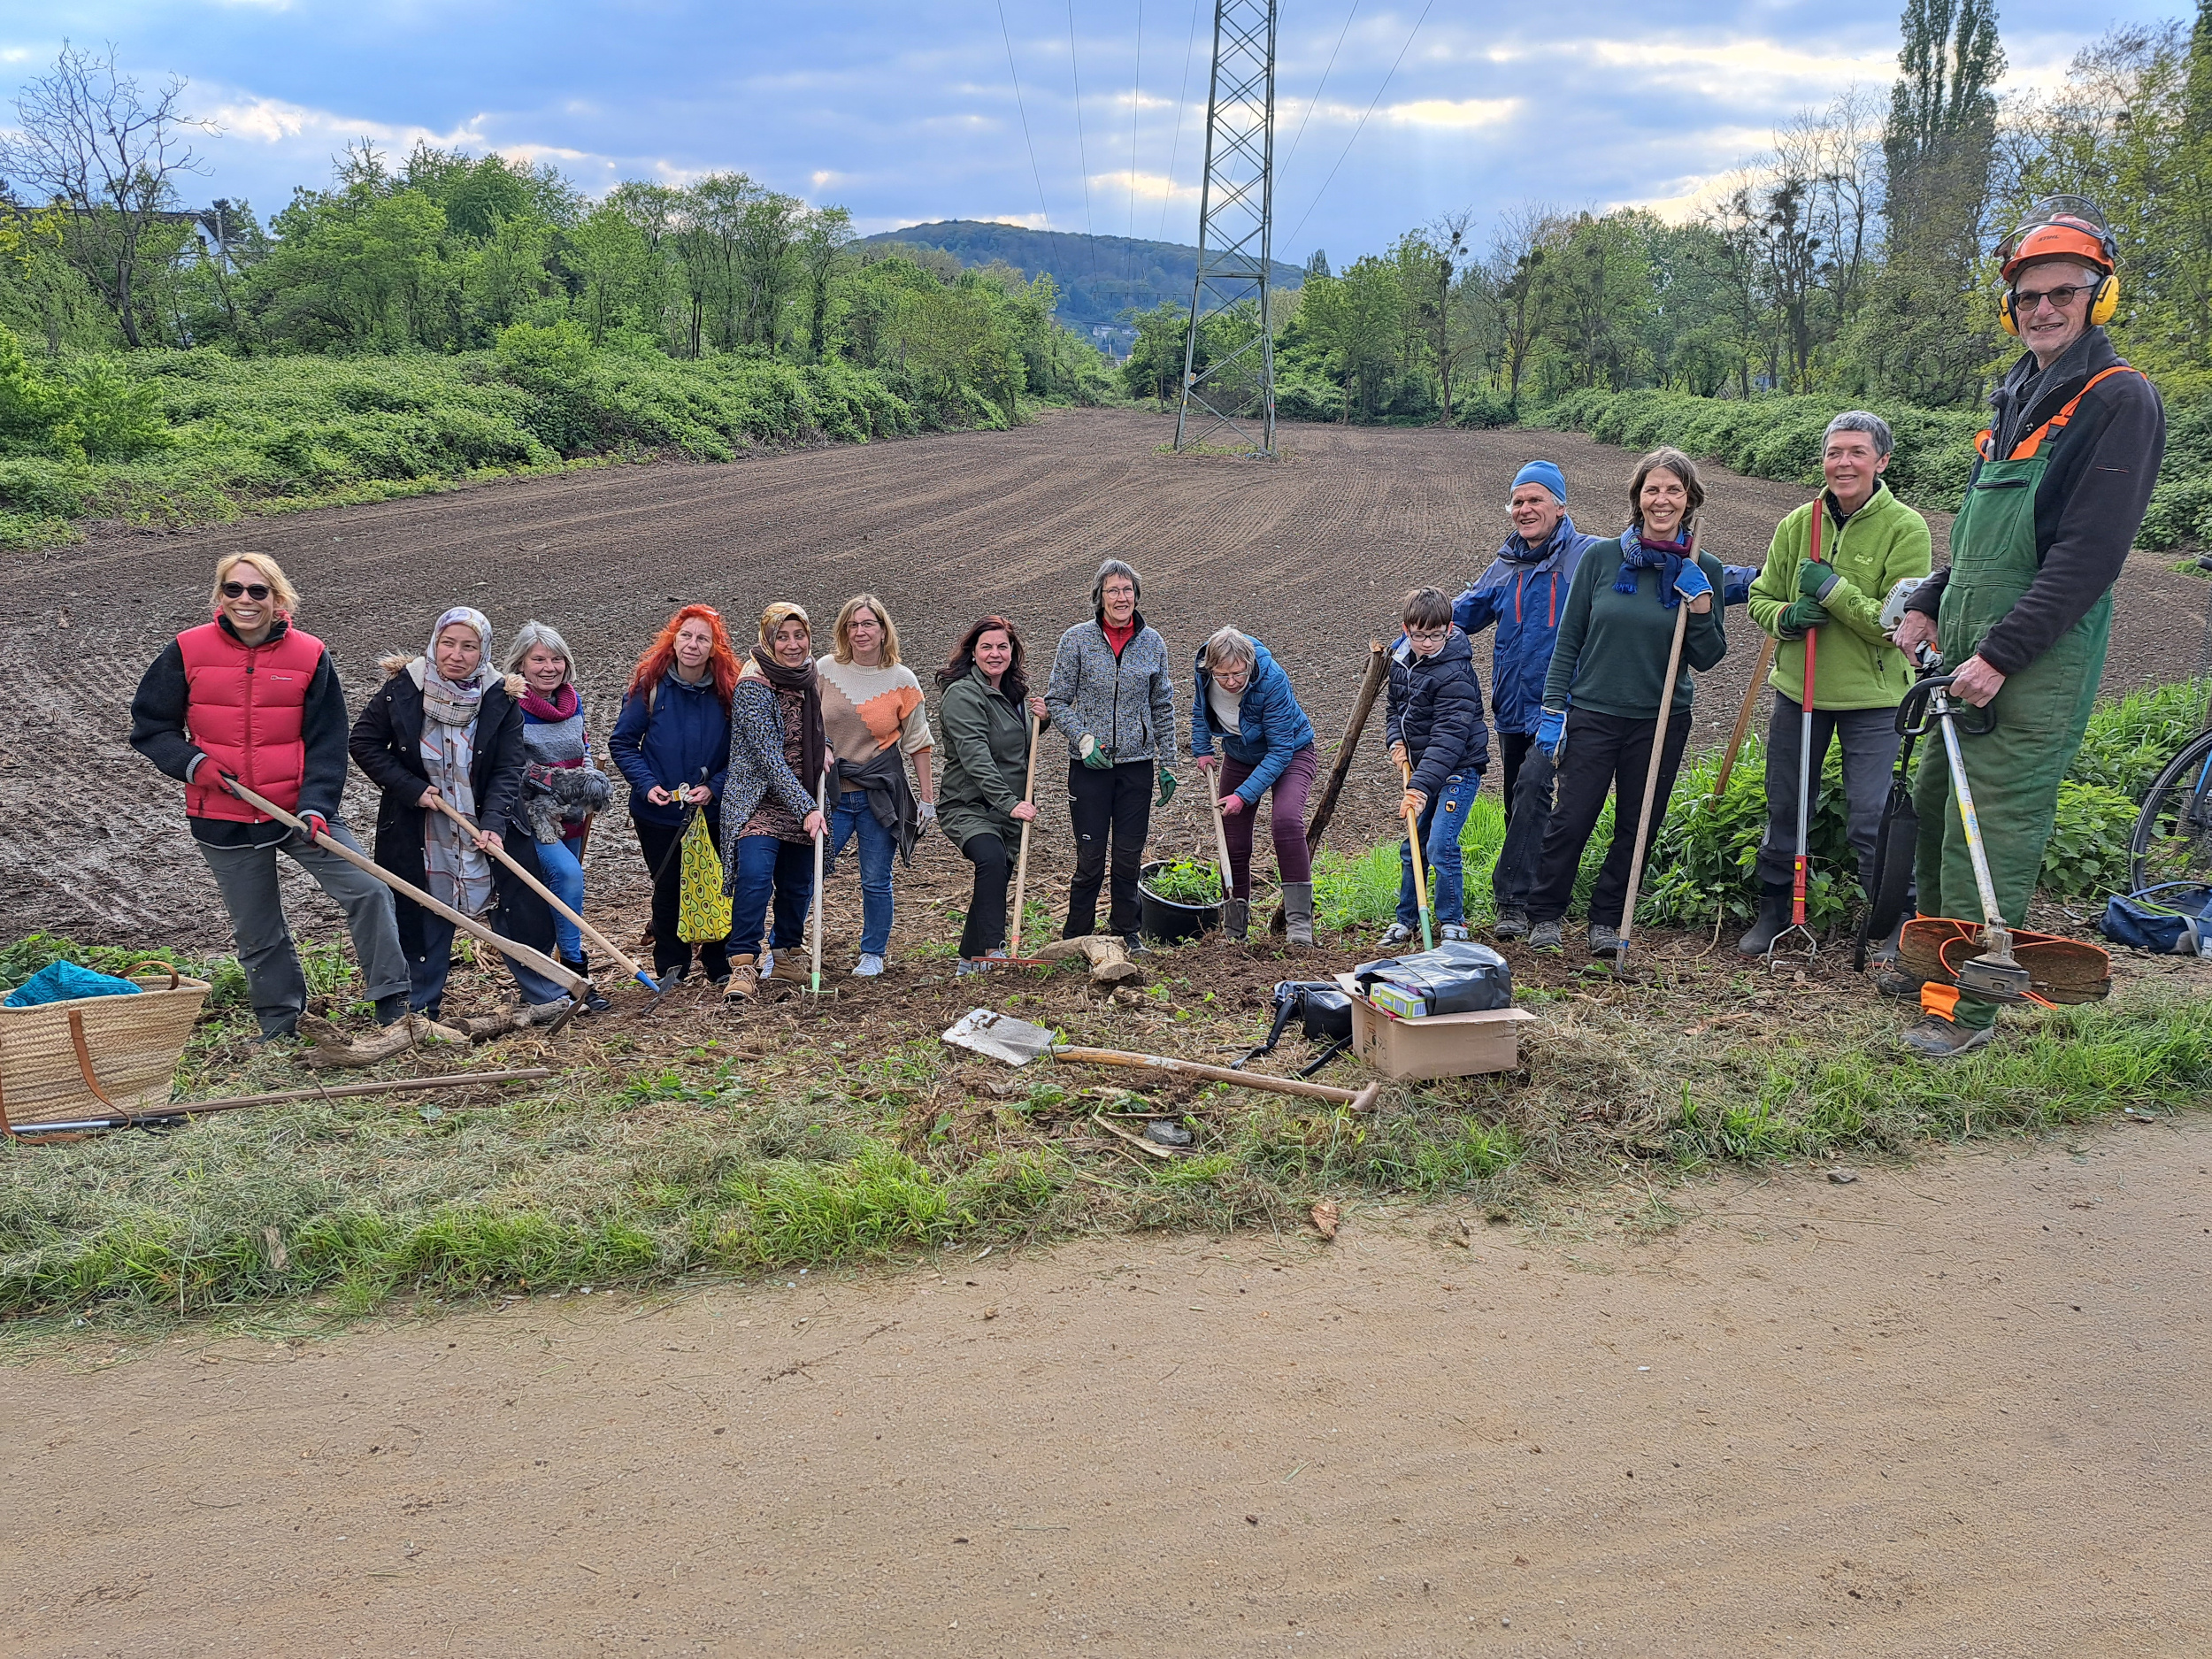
159,716
1435,709
2091,501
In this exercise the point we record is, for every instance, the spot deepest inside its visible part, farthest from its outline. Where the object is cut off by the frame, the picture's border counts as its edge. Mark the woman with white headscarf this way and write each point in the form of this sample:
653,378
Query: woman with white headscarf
446,724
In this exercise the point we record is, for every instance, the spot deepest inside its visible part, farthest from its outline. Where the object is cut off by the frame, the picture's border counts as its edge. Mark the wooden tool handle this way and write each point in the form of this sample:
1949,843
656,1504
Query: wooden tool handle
599,941
1216,1074
1221,832
1658,752
559,972
1021,862
1743,716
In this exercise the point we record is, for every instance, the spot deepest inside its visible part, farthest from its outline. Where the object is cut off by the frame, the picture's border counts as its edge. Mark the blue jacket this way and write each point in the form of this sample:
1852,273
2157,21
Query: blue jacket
668,734
1271,726
1524,597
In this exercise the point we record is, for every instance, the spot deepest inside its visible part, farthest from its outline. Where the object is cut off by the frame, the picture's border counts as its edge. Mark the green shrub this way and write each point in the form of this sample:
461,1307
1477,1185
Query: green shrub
2087,853
2131,739
1702,860
1187,881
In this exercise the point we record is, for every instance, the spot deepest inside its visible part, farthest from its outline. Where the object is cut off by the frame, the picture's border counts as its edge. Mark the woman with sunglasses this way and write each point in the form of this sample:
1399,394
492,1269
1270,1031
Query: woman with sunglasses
249,696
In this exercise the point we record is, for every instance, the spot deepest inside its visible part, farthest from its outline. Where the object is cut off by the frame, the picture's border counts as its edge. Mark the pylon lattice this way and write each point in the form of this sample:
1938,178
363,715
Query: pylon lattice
1233,388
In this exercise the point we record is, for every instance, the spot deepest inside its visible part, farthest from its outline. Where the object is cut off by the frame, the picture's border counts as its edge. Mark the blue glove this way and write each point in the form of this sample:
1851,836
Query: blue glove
1693,583
1551,730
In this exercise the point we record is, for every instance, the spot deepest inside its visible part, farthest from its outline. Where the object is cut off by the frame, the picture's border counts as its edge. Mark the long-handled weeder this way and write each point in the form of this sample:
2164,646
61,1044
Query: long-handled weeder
821,838
1651,771
1800,867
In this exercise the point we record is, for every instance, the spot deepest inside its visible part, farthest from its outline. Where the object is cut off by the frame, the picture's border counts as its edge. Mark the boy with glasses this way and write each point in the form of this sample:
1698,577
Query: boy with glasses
1435,728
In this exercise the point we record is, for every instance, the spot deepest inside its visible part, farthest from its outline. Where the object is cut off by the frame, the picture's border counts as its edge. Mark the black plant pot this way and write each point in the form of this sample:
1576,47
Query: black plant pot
1171,921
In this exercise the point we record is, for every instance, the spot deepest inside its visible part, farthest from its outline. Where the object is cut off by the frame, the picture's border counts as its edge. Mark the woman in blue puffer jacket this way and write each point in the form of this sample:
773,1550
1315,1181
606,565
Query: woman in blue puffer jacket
1245,698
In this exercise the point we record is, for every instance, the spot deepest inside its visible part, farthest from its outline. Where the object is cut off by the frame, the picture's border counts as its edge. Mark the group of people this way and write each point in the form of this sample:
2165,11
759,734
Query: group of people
483,767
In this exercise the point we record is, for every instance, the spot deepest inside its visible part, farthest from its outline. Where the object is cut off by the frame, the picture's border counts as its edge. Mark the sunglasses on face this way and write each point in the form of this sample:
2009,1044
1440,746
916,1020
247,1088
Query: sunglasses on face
2028,302
245,590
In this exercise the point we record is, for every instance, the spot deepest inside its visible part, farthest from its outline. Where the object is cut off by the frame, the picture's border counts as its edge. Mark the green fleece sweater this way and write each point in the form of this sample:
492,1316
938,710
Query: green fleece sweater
1612,650
1854,666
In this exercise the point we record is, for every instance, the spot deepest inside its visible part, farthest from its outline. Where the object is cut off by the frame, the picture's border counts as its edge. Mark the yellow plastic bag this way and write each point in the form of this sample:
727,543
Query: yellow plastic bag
702,914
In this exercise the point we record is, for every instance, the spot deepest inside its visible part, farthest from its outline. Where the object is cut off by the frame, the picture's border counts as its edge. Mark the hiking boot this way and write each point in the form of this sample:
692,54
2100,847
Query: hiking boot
1298,912
391,1010
1936,1037
1773,919
1544,936
1898,983
1511,923
1604,941
1455,930
1396,936
744,981
868,965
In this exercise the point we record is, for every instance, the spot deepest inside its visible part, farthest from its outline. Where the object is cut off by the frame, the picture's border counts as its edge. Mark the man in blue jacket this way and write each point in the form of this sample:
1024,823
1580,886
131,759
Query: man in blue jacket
1522,593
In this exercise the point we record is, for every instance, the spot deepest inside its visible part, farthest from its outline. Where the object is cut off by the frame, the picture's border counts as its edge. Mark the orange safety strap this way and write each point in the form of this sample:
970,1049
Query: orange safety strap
1938,1000
2025,450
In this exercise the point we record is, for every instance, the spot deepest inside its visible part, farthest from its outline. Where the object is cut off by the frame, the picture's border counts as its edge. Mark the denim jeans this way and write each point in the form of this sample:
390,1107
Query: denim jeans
851,817
429,974
1441,821
560,869
767,867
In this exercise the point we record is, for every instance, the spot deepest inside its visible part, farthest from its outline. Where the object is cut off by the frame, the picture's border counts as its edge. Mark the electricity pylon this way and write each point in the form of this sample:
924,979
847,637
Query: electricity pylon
1236,388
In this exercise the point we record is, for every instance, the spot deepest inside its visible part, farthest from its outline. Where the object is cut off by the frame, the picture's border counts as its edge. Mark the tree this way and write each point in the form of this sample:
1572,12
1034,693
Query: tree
1594,290
826,234
88,140
1516,263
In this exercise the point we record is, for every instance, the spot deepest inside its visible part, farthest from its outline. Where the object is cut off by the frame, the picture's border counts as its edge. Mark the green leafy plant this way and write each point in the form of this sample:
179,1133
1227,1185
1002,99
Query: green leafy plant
1193,881
2087,853
2129,739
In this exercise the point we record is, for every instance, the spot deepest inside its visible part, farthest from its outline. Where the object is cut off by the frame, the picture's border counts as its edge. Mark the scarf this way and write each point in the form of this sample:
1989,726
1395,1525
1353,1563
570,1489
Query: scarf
442,701
553,727
1639,553
1519,552
460,871
807,684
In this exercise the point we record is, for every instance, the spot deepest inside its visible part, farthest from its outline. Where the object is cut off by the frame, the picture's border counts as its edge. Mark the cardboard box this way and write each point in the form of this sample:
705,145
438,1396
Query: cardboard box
1440,1044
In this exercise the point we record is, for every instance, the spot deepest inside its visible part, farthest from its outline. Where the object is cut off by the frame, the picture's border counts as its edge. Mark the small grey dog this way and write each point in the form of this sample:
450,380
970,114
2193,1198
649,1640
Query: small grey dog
553,794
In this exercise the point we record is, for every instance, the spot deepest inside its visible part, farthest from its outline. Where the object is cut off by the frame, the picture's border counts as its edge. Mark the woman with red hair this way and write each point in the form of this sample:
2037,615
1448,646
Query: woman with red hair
673,742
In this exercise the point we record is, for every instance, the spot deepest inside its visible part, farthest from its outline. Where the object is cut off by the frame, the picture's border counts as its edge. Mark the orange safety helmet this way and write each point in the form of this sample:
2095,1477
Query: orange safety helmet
2061,227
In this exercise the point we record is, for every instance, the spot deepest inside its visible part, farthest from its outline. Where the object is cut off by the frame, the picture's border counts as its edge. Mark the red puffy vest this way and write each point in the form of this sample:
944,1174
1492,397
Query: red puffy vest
244,708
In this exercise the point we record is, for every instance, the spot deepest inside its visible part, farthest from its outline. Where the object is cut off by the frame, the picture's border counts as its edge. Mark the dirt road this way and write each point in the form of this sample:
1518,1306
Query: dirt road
1310,555
1955,1409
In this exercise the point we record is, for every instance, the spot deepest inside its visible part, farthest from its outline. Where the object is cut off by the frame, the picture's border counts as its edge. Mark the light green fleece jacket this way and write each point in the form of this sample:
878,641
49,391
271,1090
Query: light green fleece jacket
1854,666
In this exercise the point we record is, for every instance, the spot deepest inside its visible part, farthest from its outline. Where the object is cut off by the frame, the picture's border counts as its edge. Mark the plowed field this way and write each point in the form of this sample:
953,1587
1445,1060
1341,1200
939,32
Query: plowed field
1309,554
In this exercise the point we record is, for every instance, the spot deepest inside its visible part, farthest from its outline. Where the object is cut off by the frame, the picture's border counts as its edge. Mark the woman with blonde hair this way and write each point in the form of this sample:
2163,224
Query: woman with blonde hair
778,758
249,696
872,718
562,791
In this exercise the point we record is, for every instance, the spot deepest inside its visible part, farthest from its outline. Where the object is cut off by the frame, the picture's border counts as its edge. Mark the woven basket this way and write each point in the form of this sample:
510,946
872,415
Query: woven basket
93,1056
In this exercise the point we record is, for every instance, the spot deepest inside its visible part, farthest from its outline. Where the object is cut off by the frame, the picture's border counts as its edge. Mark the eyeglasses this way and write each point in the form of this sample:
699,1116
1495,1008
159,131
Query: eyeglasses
2029,302
1428,637
244,590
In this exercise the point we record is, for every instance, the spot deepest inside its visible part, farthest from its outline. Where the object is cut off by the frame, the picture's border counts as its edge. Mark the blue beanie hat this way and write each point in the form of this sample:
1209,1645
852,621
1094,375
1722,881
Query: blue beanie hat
1545,473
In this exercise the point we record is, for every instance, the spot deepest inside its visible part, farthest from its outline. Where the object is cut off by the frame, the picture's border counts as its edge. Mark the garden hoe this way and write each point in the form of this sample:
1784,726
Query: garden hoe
1801,866
598,940
1017,1042
1420,880
1651,772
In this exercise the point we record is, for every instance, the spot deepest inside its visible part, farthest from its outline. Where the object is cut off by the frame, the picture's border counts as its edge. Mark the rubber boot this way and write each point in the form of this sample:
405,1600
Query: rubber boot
1298,911
1774,917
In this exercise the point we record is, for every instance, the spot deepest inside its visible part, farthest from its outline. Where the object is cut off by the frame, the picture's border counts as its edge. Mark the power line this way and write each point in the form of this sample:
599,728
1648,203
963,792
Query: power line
1182,98
1319,90
1362,127
1082,155
1043,212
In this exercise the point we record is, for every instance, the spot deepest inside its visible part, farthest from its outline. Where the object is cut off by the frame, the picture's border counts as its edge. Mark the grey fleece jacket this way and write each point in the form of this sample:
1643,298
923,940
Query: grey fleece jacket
1128,704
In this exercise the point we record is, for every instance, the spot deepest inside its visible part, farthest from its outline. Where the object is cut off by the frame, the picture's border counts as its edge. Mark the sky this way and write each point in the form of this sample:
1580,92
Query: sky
1389,112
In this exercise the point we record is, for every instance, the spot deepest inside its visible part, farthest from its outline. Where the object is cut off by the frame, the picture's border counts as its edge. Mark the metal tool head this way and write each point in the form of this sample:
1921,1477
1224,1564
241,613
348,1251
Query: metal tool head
999,1036
1995,975
1796,934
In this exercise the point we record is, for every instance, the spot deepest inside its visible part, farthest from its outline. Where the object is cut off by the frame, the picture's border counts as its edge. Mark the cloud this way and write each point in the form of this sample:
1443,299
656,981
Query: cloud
1145,186
1452,112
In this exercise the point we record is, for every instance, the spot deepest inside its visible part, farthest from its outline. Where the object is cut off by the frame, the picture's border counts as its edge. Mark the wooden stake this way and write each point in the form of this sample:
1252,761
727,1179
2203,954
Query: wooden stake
1743,716
1371,687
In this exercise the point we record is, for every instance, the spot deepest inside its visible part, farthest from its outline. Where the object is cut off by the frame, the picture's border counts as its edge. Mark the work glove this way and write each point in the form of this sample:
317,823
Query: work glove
1691,582
1168,787
1817,578
1412,804
1092,755
194,764
1551,730
1799,616
929,812
316,824
1398,756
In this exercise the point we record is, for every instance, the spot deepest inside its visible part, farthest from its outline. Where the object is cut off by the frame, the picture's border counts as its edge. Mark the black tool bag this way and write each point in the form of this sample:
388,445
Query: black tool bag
1459,976
1325,1010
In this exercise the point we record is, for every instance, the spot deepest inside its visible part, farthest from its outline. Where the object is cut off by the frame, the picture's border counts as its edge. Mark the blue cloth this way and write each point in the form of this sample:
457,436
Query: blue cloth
851,816
62,983
1523,593
1691,582
1545,473
761,867
1271,728
670,734
1440,823
1639,552
561,869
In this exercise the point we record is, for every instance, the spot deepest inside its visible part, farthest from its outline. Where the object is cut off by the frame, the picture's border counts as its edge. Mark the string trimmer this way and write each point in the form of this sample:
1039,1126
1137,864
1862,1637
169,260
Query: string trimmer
1996,975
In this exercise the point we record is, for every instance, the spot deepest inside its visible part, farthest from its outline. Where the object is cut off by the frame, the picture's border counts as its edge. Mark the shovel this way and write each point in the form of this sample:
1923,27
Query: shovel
598,940
1017,1042
1236,913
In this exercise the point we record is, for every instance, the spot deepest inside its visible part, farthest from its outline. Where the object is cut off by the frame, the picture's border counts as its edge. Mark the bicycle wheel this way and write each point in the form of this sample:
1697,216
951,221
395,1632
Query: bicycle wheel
2173,835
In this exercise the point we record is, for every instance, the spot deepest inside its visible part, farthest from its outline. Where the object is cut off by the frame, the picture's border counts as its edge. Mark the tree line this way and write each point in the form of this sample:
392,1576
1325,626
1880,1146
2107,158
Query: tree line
1852,258
441,252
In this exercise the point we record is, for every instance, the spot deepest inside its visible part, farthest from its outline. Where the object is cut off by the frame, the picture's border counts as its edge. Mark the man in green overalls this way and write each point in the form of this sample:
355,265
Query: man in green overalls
2023,615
